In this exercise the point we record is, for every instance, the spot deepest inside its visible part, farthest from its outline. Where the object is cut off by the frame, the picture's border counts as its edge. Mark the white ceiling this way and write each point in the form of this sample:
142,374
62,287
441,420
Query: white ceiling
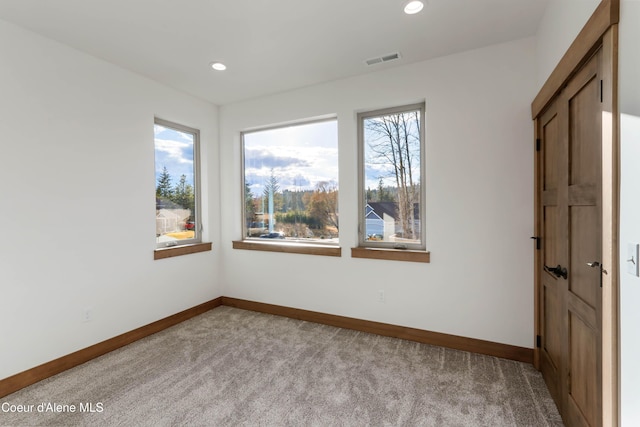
268,46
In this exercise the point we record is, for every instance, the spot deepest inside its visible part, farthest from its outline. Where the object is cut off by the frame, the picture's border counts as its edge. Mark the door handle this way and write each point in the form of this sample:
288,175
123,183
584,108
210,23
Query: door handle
596,264
558,271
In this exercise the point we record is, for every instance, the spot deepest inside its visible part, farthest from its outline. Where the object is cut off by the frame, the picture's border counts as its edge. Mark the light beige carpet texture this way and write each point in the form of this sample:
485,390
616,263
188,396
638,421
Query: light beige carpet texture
231,367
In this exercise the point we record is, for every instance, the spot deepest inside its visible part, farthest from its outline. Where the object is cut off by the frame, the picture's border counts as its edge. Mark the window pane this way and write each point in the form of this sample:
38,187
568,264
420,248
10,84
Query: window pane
392,173
291,183
176,184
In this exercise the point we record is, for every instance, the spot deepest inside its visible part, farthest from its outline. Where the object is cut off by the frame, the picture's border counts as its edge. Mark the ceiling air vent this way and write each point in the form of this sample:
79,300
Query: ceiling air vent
381,59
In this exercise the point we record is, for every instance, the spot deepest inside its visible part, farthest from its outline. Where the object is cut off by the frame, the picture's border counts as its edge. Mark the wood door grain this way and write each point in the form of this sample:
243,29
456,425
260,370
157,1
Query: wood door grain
570,309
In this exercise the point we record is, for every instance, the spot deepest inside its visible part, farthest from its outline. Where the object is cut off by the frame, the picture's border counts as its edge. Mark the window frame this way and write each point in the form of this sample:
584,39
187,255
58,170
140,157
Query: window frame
166,247
379,249
301,246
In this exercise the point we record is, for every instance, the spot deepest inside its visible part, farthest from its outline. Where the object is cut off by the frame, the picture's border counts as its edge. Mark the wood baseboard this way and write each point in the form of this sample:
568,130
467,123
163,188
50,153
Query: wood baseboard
505,351
31,376
49,369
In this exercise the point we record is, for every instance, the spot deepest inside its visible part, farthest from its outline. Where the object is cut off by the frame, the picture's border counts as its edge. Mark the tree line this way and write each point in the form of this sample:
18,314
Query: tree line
316,209
181,194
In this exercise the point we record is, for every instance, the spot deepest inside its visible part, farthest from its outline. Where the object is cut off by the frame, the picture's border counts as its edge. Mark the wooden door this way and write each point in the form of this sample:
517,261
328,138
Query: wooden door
570,300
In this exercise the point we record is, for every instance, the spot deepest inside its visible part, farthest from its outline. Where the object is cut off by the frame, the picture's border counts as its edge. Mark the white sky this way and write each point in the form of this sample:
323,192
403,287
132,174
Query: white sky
300,156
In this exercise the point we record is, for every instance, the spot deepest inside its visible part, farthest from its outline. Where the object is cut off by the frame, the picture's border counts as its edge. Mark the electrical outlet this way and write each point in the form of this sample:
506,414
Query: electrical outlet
381,297
87,314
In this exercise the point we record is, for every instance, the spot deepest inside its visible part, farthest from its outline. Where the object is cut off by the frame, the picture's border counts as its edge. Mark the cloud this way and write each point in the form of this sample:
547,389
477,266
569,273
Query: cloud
299,181
177,151
299,156
259,158
177,157
161,132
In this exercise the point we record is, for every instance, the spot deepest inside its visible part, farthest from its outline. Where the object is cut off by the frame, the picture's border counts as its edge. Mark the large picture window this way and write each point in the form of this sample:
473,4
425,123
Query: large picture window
391,152
177,184
291,183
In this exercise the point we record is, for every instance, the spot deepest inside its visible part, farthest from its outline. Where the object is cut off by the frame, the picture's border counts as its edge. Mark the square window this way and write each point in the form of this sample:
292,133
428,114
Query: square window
177,184
290,176
391,162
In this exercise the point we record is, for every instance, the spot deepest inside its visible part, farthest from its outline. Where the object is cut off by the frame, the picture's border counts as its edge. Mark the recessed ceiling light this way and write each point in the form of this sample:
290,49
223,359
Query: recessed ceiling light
413,7
218,66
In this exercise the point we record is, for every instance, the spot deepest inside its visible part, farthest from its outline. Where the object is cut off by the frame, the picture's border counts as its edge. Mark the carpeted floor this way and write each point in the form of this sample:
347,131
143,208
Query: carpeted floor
231,367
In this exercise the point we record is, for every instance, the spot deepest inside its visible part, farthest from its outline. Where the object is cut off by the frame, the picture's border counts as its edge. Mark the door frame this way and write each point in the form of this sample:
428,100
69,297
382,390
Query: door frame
600,31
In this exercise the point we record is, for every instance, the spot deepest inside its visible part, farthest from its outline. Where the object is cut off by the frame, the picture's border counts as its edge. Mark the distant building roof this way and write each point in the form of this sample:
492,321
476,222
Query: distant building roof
381,208
391,209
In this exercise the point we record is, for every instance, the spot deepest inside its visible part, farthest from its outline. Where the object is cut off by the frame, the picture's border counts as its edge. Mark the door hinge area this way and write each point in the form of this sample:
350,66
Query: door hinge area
538,144
537,239
538,341
601,90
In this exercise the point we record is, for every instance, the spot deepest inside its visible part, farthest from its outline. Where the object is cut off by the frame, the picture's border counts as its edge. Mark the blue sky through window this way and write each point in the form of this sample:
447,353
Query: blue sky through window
380,166
174,150
300,156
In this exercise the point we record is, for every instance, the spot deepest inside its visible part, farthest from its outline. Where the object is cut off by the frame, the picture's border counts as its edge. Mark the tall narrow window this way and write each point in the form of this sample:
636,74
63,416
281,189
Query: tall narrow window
291,183
391,151
177,184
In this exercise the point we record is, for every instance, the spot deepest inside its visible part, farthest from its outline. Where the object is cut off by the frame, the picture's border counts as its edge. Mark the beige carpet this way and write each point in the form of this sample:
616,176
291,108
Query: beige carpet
231,367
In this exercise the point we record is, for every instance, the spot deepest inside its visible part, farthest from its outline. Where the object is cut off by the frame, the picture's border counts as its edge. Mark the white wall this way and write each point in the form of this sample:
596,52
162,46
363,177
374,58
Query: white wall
478,192
629,70
77,201
561,23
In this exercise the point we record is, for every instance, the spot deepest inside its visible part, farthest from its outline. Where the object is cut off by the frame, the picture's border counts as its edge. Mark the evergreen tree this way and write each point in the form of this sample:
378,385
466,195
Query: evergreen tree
163,188
180,192
190,199
369,196
272,186
270,191
249,206
384,195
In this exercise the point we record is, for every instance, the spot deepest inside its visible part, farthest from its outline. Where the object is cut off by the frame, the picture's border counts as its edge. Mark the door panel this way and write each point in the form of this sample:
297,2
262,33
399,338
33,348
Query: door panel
551,354
585,231
582,365
550,138
553,344
571,227
584,134
549,242
584,248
